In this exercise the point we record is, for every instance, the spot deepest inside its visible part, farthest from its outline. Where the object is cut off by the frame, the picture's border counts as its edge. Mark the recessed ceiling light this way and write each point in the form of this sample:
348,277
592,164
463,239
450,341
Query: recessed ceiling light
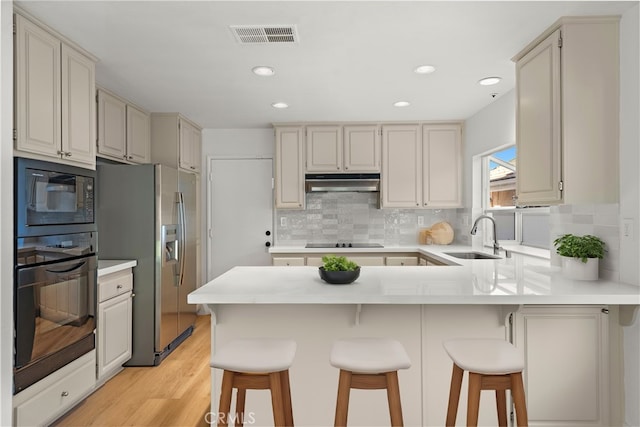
488,81
280,105
401,104
263,70
424,69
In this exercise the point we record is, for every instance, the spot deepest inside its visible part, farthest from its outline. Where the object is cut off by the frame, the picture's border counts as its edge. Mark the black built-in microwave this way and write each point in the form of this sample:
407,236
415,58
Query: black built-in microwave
52,198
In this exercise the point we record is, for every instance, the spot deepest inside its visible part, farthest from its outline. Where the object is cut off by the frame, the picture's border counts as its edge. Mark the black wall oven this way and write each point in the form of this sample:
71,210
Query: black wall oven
55,268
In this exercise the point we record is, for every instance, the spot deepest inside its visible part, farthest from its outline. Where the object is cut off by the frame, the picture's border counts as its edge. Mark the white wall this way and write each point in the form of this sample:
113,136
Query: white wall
228,143
630,193
6,213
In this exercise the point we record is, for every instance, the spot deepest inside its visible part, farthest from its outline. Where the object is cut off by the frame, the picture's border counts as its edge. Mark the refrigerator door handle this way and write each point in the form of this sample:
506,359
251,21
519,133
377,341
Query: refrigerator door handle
182,220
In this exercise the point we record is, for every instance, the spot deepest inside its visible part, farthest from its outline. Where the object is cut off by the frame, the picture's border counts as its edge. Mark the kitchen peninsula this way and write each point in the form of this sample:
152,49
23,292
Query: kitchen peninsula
577,325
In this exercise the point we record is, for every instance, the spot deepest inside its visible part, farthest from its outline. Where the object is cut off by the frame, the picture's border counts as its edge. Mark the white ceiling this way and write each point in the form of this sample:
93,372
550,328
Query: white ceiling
353,60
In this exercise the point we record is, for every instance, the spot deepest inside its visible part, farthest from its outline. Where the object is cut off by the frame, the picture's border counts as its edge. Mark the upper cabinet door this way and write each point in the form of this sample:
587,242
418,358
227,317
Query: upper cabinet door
442,166
324,149
361,148
138,135
289,180
190,146
78,107
538,134
112,126
401,175
38,98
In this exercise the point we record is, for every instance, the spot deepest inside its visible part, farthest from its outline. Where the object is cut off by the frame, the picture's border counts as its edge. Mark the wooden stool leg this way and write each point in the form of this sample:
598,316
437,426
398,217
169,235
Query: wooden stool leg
286,396
454,395
393,397
276,399
241,394
225,399
501,405
517,390
342,403
473,402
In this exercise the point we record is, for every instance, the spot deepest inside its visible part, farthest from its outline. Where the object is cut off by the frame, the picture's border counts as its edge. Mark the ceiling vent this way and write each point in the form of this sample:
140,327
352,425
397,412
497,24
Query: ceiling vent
256,34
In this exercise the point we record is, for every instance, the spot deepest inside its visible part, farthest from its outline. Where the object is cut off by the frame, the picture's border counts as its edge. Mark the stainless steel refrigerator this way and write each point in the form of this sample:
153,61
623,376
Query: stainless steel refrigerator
148,213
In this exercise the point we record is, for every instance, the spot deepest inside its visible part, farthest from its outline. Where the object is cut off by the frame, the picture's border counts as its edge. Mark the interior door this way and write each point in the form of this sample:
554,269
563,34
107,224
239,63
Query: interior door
240,213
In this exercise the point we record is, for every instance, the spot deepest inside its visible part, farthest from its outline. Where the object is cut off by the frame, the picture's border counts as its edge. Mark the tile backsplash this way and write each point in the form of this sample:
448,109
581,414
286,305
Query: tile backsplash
354,217
599,220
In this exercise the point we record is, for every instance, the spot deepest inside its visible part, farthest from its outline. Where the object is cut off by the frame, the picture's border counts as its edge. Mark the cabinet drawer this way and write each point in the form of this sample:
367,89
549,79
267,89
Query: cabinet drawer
288,261
402,260
114,284
60,396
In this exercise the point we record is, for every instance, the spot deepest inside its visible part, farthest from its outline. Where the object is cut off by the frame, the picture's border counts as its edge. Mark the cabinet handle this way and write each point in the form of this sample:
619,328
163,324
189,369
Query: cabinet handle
119,287
130,157
68,154
417,204
133,295
338,167
346,168
64,394
60,152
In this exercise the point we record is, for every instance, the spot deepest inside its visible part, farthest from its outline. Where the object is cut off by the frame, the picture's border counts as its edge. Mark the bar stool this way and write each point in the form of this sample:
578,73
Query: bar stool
255,364
369,364
493,364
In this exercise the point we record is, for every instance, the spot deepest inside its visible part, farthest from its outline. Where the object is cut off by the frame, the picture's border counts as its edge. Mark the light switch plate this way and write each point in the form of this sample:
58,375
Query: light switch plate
420,221
627,228
283,221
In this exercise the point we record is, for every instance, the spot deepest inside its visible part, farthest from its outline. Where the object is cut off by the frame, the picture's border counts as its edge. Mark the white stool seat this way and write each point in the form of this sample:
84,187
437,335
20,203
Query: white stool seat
369,355
255,355
485,355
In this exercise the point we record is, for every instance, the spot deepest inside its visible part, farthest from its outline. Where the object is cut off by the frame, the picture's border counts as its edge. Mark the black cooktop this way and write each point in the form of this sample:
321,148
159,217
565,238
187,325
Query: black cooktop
344,245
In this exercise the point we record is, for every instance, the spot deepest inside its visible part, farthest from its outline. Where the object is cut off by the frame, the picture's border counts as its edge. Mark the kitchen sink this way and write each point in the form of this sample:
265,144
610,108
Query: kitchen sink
471,255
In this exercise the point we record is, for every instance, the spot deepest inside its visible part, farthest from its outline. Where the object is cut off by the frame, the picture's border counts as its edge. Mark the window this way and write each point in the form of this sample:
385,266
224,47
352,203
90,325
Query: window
528,226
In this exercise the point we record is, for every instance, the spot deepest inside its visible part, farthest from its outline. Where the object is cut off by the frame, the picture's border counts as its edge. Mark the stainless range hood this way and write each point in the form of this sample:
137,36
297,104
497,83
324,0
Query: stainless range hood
330,182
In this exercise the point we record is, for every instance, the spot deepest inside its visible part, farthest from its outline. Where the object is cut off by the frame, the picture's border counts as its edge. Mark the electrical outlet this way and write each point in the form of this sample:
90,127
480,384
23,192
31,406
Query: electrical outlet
627,228
283,221
420,221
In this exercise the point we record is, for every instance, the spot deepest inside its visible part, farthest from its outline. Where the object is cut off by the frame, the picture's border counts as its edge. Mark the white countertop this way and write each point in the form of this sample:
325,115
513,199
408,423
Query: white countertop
518,280
108,266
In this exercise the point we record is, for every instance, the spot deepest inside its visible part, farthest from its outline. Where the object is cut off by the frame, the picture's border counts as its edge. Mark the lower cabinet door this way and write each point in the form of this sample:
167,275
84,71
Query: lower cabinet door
114,334
48,399
567,368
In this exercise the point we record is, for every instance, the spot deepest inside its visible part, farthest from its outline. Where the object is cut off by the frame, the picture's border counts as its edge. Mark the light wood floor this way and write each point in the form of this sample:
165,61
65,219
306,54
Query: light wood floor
175,394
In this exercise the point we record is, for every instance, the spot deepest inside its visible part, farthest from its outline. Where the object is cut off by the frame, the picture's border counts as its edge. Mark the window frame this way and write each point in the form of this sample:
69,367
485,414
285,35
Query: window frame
518,211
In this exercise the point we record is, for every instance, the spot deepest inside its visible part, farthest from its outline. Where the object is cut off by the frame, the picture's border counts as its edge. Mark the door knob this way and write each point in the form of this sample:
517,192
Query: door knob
267,244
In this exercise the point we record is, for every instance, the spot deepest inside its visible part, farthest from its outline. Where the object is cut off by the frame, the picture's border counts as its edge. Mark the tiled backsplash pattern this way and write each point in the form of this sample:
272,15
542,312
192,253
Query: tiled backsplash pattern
354,217
598,220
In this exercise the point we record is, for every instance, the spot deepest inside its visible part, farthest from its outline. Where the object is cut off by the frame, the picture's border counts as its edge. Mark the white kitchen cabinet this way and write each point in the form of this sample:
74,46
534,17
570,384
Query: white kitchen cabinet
288,261
324,149
48,399
289,179
190,146
566,349
112,126
401,260
114,332
567,118
177,141
55,97
124,132
343,149
401,176
442,165
361,153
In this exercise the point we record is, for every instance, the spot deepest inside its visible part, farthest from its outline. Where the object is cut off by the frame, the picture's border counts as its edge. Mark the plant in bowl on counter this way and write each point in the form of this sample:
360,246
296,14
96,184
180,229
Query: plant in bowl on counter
338,270
580,255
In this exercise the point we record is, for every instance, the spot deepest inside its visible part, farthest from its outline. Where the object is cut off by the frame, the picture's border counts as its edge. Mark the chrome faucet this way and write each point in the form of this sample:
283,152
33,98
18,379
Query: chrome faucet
496,246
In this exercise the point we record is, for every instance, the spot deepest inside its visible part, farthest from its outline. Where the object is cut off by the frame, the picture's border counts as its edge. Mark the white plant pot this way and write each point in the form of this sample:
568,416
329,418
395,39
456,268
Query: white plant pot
574,268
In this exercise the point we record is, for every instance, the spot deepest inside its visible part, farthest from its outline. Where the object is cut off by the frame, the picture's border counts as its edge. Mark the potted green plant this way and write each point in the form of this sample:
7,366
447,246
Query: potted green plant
338,270
580,255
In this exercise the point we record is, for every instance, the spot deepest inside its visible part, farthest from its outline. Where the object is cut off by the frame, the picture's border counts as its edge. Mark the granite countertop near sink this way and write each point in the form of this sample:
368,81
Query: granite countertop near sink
109,266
